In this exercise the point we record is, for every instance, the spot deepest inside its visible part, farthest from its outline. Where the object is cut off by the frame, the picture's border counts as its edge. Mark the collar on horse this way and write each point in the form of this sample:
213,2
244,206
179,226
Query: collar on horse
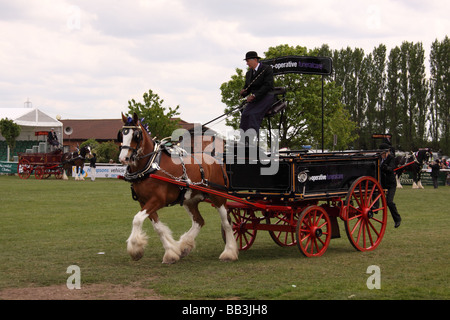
153,161
151,166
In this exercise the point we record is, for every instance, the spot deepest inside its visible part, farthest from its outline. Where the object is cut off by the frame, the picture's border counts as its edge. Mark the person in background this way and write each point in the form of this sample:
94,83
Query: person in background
388,181
52,139
435,173
92,162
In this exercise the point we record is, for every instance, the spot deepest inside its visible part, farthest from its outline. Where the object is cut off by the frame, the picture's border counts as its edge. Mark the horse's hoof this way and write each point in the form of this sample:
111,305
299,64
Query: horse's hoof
135,256
170,258
228,256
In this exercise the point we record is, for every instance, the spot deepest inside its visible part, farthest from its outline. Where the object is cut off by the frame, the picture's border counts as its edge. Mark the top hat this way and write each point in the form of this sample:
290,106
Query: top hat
251,55
387,146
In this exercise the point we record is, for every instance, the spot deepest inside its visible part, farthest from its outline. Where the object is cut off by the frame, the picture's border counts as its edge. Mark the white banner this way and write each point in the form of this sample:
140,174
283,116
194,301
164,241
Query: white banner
102,171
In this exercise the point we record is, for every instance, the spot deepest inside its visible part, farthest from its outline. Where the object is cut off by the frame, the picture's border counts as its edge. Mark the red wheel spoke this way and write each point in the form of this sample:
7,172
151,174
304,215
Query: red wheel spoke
285,219
365,233
355,217
313,231
241,222
373,228
374,201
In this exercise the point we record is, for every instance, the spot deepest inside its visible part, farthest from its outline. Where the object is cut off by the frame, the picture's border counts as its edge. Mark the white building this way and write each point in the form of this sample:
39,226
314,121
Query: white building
31,121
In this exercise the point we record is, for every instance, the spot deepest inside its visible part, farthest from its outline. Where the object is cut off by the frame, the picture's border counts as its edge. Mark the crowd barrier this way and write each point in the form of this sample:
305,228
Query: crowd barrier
102,170
106,170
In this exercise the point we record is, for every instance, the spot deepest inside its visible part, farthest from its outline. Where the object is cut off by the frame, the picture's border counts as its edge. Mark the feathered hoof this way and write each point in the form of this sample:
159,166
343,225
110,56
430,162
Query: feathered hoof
228,256
170,257
136,256
186,248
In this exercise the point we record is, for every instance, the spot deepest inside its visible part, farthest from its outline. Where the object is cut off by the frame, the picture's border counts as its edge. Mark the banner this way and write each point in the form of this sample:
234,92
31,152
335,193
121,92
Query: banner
8,167
102,171
299,64
407,178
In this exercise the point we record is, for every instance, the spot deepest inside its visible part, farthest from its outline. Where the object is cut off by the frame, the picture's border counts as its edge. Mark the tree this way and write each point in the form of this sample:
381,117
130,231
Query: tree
161,123
350,74
392,95
92,143
412,95
10,131
106,151
376,67
440,93
302,119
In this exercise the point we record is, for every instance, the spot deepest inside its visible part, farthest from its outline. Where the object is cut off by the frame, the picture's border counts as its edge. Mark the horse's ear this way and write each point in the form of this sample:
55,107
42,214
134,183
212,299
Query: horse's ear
124,118
135,118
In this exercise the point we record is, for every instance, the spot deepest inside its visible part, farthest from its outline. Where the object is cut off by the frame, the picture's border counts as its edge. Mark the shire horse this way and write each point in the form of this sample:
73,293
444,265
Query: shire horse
414,164
145,157
70,159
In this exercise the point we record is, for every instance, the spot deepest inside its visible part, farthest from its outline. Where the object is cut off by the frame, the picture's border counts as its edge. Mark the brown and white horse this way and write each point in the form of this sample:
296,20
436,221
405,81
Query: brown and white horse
144,156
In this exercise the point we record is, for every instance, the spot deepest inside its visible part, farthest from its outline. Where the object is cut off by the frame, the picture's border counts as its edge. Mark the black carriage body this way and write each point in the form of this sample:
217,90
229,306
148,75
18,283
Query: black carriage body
303,175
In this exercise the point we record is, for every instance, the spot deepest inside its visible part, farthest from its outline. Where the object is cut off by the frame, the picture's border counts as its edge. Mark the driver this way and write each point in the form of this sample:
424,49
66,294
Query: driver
258,84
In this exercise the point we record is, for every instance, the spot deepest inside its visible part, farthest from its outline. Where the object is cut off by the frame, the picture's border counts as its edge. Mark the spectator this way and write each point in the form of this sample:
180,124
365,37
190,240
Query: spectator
435,173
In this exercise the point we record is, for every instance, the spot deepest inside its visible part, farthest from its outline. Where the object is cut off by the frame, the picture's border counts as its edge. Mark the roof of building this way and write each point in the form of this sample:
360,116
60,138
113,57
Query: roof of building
29,117
100,129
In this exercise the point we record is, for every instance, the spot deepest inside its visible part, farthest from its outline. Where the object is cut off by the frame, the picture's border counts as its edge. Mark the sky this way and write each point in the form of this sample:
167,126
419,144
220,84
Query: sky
85,59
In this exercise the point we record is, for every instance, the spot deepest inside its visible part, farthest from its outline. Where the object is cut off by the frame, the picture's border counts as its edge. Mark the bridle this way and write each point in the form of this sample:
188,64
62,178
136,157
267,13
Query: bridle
137,136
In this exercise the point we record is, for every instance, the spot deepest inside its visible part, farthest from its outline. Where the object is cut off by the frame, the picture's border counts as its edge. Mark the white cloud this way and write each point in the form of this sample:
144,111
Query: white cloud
85,59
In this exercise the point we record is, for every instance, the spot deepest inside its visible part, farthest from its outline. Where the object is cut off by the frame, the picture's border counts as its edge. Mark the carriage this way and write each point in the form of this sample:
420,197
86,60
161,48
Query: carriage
298,203
43,165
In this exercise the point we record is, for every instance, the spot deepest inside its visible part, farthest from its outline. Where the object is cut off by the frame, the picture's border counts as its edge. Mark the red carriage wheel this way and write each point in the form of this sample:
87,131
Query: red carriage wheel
313,231
24,169
58,173
284,238
240,220
47,173
39,172
365,214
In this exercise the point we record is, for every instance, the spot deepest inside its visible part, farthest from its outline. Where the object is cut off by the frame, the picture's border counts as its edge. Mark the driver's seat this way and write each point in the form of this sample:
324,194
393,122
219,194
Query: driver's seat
280,103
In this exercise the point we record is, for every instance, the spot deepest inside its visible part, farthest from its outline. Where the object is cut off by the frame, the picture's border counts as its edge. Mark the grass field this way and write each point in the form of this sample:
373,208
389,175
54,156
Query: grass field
48,225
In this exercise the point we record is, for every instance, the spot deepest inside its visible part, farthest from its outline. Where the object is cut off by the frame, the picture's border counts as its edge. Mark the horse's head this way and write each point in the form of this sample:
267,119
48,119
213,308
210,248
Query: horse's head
85,152
424,155
132,137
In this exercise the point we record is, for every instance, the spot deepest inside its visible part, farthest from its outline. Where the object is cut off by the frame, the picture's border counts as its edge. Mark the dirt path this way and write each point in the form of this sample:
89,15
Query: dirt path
87,292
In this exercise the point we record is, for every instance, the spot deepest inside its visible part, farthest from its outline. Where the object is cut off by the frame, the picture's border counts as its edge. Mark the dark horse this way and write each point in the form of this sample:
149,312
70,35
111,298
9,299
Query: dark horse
145,158
414,164
77,158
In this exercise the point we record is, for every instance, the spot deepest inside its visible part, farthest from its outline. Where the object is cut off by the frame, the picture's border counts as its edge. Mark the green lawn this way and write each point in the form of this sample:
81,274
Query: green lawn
48,225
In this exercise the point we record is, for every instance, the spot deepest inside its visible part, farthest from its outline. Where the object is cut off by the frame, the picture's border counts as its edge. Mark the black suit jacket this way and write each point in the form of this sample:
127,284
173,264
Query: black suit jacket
263,83
387,172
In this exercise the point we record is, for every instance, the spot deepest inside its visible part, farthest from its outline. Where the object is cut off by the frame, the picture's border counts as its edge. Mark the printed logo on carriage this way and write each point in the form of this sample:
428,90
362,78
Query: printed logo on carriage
324,177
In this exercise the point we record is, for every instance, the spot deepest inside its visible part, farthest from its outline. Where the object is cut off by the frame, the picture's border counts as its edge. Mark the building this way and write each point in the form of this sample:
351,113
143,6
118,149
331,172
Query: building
76,131
71,133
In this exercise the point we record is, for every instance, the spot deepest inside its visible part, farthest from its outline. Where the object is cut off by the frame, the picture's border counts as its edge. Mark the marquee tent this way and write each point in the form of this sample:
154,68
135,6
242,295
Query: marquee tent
31,120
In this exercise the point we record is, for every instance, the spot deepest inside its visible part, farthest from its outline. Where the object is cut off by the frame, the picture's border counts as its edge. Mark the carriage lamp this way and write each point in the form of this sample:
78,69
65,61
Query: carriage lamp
302,176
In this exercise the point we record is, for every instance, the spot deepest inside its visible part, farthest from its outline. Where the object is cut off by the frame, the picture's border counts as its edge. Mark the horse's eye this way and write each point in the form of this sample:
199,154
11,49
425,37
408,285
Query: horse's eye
125,131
